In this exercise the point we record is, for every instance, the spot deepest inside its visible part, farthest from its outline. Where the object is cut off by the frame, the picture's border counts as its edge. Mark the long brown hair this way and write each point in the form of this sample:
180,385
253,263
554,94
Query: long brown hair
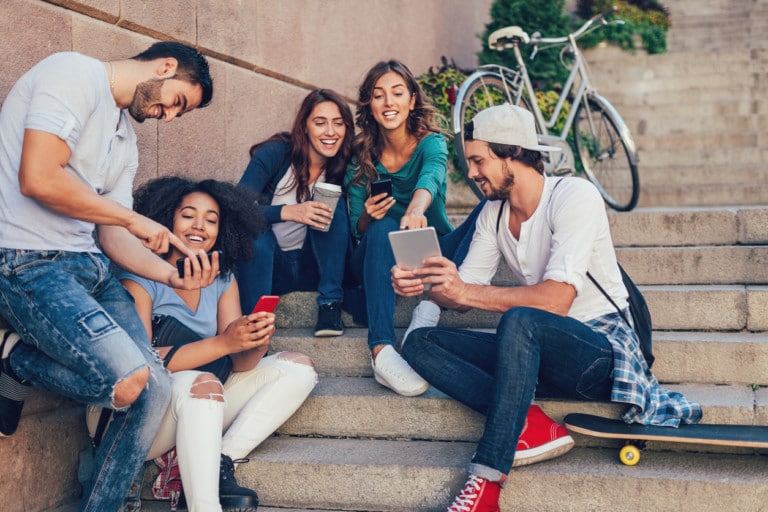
369,142
297,138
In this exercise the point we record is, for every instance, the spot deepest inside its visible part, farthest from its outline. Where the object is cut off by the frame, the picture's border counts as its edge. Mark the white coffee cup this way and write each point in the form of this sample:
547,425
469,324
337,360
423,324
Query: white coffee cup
327,193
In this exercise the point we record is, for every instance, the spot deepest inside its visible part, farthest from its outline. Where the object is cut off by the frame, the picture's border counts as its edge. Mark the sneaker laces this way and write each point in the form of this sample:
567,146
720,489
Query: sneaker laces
466,498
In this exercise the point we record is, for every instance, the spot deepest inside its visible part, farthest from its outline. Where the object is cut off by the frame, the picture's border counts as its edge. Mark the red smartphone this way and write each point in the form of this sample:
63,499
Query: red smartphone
266,303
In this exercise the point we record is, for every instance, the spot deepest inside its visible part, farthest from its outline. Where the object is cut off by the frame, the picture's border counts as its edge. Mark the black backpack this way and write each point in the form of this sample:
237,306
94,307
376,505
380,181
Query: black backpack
638,308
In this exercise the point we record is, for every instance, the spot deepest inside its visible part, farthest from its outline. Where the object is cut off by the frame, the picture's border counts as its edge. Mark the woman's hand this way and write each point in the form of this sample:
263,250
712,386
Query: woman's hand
312,213
376,207
249,332
413,220
199,270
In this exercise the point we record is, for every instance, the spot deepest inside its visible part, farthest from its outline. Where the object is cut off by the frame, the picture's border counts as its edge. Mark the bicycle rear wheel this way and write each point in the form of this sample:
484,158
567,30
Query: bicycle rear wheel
607,154
482,90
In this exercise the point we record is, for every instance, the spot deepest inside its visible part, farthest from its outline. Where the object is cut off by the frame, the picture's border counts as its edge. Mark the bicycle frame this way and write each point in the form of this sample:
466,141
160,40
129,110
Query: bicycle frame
584,87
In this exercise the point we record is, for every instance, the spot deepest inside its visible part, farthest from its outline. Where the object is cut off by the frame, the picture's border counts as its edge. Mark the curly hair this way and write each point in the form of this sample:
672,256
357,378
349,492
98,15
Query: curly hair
335,167
369,142
239,221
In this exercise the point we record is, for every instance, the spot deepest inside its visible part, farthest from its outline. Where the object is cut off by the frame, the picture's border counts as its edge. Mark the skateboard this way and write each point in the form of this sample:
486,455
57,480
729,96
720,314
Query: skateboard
636,435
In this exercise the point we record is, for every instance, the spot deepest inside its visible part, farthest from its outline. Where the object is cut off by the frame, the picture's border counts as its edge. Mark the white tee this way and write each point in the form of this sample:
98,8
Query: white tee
567,235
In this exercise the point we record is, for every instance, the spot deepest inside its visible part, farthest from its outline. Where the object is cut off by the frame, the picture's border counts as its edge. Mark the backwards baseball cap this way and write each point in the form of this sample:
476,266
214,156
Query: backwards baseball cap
510,125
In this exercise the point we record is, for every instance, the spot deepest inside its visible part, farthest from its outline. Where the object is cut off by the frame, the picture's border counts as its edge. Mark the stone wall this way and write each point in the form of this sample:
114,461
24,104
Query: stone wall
265,56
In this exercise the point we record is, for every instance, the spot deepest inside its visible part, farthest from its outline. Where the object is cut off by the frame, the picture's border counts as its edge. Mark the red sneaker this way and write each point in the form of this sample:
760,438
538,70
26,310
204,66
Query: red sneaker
542,439
478,495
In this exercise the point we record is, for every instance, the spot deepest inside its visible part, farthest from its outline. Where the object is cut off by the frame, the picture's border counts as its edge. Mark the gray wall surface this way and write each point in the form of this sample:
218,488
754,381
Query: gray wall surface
265,56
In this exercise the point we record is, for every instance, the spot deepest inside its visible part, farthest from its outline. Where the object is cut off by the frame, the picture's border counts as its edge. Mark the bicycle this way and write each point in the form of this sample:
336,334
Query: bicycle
606,150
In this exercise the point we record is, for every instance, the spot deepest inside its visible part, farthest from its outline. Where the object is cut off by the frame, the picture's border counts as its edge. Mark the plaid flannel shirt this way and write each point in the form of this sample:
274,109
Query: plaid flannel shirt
633,382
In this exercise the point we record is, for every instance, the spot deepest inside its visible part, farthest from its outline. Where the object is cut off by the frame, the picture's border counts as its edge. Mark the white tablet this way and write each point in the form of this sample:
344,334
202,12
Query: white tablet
412,246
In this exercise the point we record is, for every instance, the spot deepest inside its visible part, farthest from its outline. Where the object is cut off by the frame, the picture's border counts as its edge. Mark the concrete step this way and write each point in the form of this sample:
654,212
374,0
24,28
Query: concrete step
40,459
704,195
721,358
666,158
673,307
424,476
688,226
351,407
696,264
690,143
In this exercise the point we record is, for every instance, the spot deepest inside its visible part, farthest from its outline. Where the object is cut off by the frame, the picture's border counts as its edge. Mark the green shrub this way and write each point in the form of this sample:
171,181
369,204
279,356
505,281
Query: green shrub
440,84
647,19
544,16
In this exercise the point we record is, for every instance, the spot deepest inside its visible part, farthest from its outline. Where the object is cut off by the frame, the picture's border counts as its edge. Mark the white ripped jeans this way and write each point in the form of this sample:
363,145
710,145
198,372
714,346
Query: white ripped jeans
256,403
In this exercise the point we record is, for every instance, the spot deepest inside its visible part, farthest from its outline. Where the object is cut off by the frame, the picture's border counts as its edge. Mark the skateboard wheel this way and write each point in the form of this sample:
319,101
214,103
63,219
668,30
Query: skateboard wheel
629,455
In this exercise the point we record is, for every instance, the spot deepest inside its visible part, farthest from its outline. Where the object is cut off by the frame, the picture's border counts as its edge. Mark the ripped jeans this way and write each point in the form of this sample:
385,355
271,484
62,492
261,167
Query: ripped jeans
81,336
255,403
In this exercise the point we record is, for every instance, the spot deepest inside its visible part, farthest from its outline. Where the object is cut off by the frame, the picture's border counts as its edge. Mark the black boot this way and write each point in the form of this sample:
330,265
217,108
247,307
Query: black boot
234,498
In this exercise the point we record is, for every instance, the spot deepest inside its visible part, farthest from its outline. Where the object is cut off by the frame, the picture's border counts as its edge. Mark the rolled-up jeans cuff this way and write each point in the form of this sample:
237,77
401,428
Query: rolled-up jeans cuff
490,474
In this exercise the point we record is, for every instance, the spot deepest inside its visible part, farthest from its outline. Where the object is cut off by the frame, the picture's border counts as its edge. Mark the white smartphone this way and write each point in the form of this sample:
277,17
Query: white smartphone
412,246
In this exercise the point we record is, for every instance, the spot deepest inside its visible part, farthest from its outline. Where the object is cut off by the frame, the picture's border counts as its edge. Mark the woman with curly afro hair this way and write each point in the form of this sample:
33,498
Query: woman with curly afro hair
261,392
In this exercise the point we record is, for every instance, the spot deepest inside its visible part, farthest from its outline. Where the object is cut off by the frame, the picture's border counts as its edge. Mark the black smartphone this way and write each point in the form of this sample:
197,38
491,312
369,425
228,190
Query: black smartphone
180,262
381,186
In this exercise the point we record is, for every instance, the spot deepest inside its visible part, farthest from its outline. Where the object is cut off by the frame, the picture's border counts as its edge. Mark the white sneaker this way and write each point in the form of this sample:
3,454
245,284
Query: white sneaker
391,370
426,314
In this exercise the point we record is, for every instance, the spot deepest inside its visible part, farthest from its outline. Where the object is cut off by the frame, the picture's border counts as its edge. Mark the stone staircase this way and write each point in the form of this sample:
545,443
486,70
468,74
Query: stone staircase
698,248
355,445
698,113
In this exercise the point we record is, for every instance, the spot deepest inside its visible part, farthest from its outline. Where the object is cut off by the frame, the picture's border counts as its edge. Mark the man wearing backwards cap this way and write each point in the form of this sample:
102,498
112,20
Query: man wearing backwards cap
558,335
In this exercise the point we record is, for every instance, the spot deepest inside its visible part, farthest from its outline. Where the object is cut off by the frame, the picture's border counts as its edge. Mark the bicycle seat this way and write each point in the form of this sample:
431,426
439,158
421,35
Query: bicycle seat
507,37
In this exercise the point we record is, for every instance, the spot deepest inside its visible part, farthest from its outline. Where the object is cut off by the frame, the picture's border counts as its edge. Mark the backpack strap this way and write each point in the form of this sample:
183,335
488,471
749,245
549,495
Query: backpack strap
602,290
589,275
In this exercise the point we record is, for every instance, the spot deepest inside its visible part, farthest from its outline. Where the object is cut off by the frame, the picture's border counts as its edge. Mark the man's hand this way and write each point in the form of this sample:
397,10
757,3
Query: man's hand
447,288
153,235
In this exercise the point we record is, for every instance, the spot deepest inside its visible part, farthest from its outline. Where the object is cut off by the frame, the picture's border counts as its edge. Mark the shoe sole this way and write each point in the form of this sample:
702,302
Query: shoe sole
416,392
325,333
238,503
547,451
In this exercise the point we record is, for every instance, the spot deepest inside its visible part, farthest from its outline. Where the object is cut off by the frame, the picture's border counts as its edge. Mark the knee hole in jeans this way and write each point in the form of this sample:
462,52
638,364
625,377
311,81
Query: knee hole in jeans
297,357
128,390
206,385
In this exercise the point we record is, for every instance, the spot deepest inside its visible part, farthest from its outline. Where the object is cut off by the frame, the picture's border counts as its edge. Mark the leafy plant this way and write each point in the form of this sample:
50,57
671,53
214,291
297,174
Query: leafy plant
440,85
544,16
648,19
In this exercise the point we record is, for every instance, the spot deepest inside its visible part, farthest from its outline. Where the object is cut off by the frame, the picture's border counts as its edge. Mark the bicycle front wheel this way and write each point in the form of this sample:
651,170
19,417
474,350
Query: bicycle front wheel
607,153
482,90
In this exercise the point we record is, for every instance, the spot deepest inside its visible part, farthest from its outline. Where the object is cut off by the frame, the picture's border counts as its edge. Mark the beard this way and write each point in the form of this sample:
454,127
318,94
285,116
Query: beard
502,191
147,94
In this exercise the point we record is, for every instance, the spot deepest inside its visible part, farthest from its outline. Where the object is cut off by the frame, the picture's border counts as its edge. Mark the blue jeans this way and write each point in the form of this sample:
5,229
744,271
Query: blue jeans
318,265
497,374
82,336
372,261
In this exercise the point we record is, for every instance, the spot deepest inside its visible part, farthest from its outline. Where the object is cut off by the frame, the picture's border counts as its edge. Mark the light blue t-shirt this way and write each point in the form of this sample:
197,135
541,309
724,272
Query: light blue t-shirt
66,94
165,301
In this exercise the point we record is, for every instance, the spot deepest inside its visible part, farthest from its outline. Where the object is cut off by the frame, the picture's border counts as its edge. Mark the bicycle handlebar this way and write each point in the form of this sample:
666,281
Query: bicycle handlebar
537,39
